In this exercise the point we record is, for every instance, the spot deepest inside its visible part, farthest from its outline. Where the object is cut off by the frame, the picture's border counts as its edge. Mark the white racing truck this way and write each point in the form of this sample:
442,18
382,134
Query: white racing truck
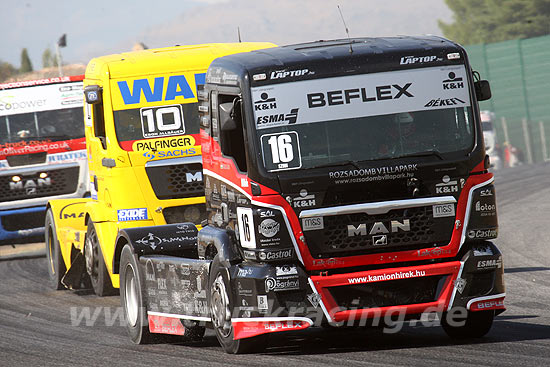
42,152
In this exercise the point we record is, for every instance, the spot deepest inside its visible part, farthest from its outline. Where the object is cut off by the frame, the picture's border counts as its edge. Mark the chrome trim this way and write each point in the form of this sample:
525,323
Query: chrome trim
22,170
175,161
381,207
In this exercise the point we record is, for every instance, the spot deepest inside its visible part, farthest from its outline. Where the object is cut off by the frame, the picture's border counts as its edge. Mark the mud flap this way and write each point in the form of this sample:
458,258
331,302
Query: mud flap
73,277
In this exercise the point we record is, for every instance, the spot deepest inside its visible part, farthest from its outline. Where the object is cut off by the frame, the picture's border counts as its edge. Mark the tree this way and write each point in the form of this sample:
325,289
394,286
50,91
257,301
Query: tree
485,21
48,59
7,70
26,64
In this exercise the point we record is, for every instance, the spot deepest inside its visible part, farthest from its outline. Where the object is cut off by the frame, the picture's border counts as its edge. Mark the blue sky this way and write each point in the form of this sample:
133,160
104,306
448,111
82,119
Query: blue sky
101,27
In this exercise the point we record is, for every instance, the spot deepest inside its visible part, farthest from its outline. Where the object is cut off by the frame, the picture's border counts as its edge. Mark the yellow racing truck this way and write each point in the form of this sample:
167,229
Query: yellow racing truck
144,155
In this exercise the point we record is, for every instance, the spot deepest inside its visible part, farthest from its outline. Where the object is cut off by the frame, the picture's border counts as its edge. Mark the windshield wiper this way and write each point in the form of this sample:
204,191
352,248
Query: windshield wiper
337,164
426,153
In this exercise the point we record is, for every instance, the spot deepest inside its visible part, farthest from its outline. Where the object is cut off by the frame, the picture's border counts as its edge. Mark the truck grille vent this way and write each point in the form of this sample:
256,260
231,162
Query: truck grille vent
176,181
26,159
388,293
334,240
30,186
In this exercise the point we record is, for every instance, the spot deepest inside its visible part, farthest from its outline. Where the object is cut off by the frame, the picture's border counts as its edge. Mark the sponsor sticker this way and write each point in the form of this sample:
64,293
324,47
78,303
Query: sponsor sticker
286,284
444,210
269,228
275,255
286,270
262,302
125,215
312,224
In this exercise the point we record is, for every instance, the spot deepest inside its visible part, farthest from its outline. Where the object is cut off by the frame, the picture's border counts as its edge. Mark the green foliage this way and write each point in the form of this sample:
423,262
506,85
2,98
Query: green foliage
7,70
26,64
486,21
48,59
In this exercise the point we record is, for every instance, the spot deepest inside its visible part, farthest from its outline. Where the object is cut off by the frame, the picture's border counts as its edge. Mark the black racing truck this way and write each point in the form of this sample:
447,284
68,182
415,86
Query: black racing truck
346,181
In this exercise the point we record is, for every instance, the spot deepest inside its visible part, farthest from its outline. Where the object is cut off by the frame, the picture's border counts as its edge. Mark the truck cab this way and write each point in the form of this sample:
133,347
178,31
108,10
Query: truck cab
345,181
144,157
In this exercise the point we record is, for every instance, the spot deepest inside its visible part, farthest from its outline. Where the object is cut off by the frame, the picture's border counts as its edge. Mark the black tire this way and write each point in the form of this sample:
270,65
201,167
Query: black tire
132,299
221,303
476,325
56,265
95,264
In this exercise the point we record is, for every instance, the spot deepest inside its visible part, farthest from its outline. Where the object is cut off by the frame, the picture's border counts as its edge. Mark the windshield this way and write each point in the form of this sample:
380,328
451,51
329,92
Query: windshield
350,119
54,125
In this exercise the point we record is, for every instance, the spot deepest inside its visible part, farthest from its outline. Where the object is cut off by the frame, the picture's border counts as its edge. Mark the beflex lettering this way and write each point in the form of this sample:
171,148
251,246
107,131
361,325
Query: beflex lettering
363,95
125,215
176,86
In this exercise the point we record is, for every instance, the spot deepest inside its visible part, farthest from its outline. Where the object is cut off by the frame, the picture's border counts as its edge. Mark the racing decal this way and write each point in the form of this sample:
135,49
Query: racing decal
453,82
373,174
249,327
245,220
40,98
443,210
126,215
154,90
165,325
405,60
492,304
37,146
162,121
281,74
157,144
346,97
281,151
446,186
312,224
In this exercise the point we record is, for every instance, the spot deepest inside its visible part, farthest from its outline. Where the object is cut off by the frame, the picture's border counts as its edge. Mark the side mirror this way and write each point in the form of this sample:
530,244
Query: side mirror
92,94
483,90
226,117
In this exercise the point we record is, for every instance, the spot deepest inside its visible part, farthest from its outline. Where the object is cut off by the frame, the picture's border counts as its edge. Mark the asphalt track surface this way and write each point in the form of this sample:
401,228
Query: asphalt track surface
37,329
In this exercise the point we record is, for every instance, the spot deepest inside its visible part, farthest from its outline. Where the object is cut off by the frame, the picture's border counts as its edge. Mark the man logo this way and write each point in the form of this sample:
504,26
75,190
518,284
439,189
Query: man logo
194,177
378,228
30,186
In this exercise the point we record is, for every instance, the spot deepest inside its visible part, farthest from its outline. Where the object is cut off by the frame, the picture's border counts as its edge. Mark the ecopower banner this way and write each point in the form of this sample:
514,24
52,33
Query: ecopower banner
40,98
362,95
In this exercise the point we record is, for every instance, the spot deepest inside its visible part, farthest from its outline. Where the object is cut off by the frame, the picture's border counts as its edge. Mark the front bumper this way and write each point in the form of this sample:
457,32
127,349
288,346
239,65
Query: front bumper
273,298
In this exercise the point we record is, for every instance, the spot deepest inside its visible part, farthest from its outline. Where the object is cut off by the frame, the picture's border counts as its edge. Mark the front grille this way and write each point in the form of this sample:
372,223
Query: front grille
17,222
176,181
185,213
58,182
26,159
389,293
333,240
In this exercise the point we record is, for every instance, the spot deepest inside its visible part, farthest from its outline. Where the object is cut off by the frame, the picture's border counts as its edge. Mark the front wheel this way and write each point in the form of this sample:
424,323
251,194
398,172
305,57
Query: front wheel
131,297
95,264
56,265
475,325
221,308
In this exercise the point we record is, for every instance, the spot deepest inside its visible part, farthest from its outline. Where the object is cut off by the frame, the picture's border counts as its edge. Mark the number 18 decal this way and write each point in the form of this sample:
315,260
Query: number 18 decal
281,151
162,121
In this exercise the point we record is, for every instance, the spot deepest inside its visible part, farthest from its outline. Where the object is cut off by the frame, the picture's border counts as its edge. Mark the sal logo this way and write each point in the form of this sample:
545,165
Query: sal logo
265,103
454,82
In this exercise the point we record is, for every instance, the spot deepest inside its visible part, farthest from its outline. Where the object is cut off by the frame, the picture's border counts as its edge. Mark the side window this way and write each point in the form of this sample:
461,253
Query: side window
99,124
231,134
